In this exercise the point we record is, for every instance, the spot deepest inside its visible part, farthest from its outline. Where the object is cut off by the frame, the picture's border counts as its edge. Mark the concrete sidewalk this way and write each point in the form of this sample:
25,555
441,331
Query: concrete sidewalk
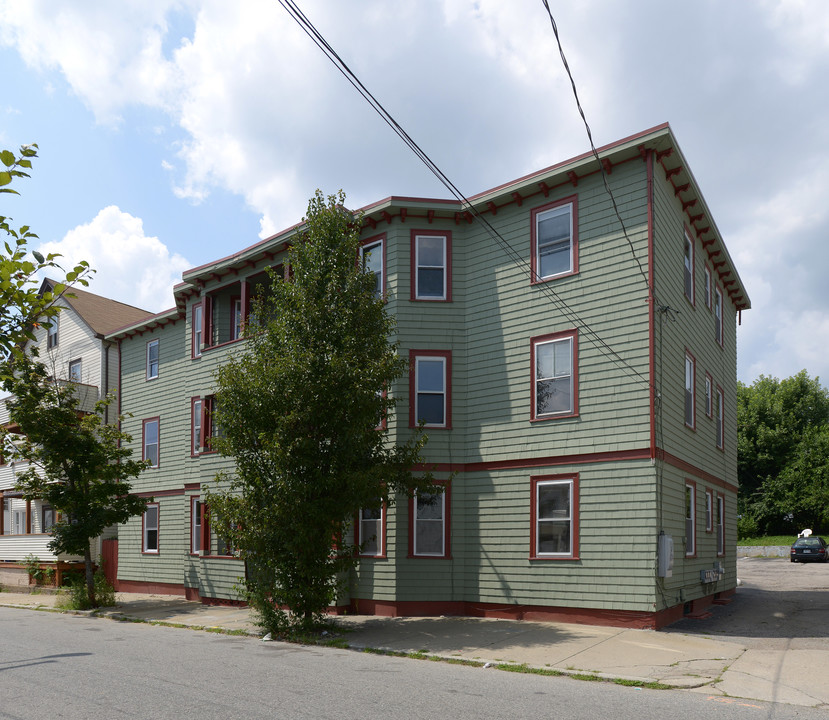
676,659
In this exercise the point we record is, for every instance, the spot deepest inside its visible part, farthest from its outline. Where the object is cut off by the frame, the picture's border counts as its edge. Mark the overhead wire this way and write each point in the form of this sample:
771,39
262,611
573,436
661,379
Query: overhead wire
569,313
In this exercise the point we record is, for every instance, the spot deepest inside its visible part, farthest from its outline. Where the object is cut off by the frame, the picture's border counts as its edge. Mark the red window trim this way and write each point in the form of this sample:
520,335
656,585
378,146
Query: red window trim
721,320
693,485
196,352
144,422
574,517
207,405
709,401
447,529
693,426
720,548
538,339
692,301
383,548
193,401
207,548
193,499
447,355
709,494
569,200
381,238
709,294
147,377
721,434
447,234
157,551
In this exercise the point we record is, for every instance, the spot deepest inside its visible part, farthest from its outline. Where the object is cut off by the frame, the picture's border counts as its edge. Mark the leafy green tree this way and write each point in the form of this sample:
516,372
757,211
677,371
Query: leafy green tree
300,412
79,464
779,427
22,306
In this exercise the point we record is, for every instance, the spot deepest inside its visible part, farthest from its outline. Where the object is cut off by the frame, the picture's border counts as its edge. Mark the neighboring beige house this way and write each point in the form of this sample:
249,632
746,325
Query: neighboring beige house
75,349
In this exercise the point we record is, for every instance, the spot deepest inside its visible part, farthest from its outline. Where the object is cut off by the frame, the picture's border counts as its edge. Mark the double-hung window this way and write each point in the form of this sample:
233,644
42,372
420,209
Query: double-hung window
690,519
75,371
429,382
430,525
720,418
150,529
709,511
47,518
554,240
210,428
554,517
707,276
372,261
431,271
197,322
235,318
709,396
195,525
718,335
720,525
195,425
151,441
370,538
52,333
554,386
690,390
152,360
689,268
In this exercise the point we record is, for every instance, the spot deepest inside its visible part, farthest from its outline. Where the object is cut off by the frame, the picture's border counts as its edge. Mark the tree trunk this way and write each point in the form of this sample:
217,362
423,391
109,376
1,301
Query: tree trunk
90,577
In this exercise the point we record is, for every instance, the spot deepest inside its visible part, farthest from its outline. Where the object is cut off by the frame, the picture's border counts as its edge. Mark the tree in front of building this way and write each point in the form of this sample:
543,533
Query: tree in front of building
301,412
22,306
77,463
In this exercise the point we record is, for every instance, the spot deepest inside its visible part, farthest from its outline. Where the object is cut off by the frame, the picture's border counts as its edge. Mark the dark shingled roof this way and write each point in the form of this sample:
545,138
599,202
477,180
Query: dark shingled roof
101,314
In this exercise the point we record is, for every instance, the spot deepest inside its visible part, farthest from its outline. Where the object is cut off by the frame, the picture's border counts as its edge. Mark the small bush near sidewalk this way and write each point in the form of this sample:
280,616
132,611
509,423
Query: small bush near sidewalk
78,598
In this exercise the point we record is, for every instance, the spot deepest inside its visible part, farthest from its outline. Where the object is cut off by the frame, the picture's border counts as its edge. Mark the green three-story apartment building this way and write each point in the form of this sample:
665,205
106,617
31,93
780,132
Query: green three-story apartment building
576,376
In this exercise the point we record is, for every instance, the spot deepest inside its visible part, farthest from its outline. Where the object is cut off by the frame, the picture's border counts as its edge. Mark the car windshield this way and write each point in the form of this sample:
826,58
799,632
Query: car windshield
807,542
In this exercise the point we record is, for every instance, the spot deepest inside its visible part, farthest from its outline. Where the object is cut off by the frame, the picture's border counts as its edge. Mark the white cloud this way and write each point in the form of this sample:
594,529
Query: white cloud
130,266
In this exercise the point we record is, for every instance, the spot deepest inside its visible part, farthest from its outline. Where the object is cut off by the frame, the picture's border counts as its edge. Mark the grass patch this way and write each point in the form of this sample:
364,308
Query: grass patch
768,540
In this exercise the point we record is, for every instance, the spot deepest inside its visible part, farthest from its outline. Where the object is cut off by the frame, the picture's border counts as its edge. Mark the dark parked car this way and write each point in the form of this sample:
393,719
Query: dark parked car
810,549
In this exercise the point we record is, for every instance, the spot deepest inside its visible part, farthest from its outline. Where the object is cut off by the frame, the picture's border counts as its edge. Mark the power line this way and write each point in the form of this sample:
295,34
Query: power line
593,147
571,315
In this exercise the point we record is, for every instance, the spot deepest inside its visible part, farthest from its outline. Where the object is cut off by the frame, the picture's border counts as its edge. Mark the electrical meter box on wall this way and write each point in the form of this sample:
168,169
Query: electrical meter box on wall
665,556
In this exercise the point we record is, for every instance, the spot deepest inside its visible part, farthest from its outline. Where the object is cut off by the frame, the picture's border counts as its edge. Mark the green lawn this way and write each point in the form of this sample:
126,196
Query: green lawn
768,540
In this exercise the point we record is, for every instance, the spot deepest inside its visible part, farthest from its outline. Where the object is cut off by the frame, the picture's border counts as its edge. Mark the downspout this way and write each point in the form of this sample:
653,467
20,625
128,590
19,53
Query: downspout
651,310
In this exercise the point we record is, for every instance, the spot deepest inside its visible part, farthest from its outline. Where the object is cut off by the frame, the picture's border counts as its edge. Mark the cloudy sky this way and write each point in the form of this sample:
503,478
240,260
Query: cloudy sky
174,132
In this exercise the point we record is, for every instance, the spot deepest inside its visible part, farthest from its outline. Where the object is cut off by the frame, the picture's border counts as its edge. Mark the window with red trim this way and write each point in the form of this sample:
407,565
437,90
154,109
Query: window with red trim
196,518
554,517
150,441
370,531
429,524
720,419
195,425
149,529
718,314
430,388
720,525
689,267
431,265
709,511
373,260
197,328
554,376
690,518
554,240
690,390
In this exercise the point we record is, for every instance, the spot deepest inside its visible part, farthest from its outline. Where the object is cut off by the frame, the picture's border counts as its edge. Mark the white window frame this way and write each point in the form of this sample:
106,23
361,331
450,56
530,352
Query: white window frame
196,405
195,525
560,520
152,364
418,266
366,250
417,522
709,510
564,208
235,319
146,527
709,393
690,391
707,275
690,520
75,371
197,322
52,333
557,376
372,527
418,392
720,418
720,525
146,445
688,267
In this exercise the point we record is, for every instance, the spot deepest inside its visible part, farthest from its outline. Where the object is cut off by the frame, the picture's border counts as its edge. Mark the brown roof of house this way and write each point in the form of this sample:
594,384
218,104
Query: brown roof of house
101,314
